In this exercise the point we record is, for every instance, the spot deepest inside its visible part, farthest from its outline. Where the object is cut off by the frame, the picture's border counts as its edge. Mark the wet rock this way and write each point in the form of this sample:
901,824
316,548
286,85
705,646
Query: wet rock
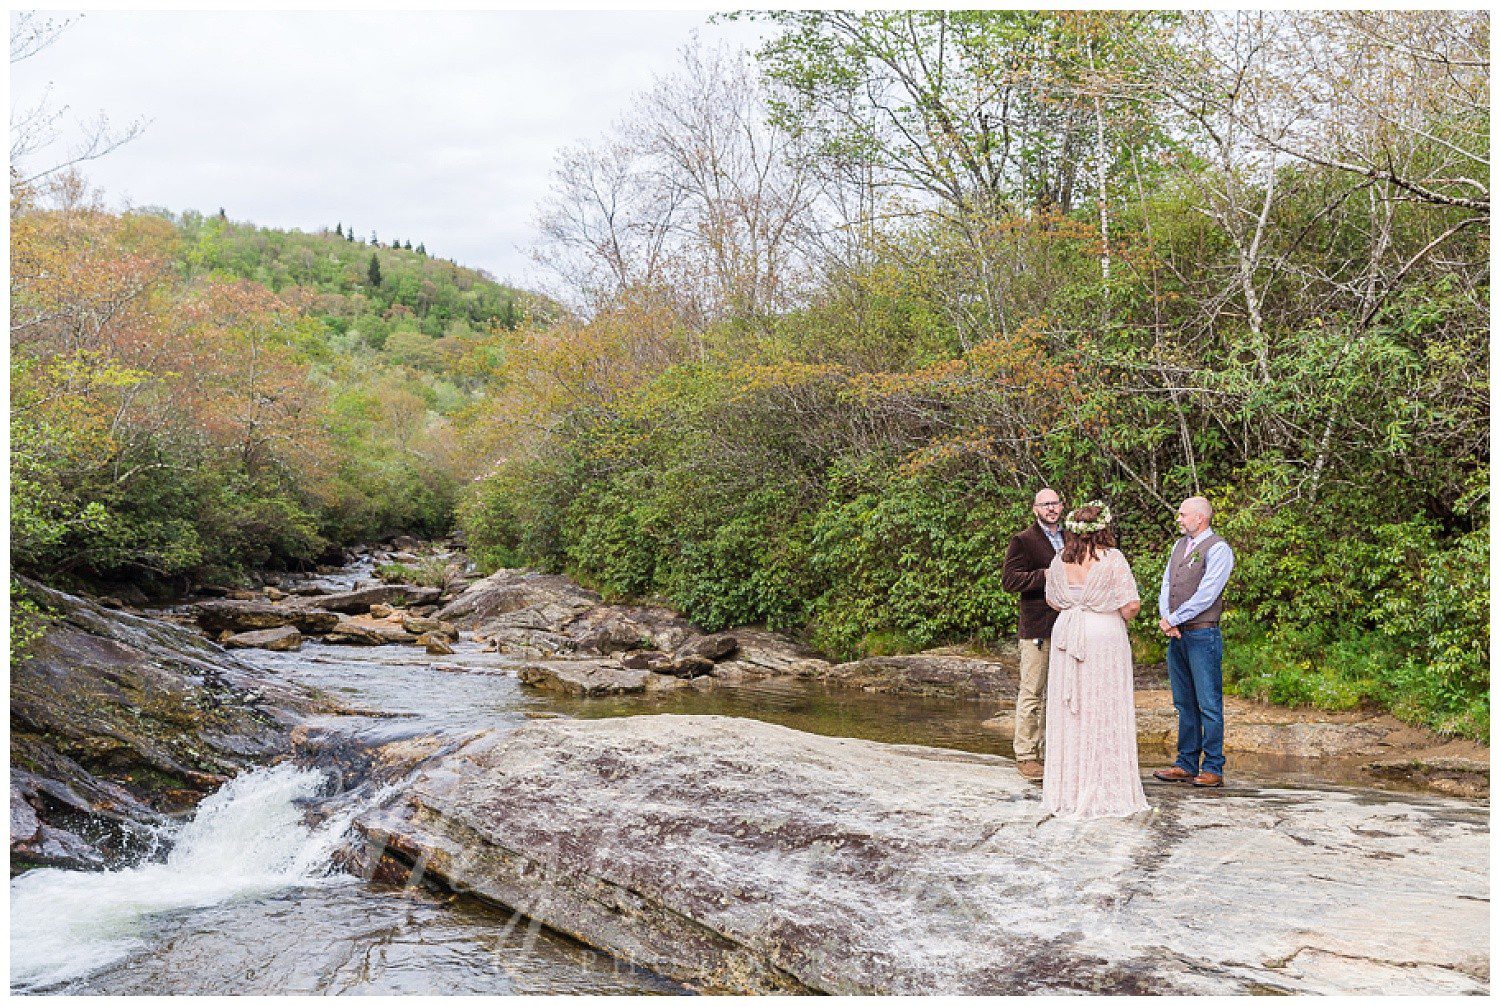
435,644
213,590
714,648
420,626
248,616
611,628
240,594
521,612
584,677
405,541
744,857
351,633
931,673
1457,776
117,720
645,660
274,593
381,611
110,602
309,590
688,667
762,653
355,602
284,638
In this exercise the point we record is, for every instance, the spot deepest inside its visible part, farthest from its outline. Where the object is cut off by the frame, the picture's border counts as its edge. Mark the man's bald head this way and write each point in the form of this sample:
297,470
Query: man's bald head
1047,504
1194,514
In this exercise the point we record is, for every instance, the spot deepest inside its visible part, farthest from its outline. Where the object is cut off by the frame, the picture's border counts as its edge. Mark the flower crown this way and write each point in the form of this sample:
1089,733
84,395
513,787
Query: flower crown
1103,521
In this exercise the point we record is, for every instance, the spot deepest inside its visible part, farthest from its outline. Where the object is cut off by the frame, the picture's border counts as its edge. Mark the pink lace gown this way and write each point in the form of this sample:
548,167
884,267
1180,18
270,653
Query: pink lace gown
1091,768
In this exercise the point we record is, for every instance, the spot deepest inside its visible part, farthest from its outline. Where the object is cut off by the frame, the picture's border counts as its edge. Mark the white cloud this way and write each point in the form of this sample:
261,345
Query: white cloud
439,128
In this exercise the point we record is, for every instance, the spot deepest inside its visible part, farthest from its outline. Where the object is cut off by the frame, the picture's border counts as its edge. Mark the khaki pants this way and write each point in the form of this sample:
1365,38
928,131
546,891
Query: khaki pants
1031,700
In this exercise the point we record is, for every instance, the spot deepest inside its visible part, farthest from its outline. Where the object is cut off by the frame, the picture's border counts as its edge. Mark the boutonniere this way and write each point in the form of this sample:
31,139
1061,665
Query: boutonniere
1195,557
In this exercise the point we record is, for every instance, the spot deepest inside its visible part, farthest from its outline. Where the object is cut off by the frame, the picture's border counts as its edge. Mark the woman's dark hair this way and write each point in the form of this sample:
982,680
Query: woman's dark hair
1089,544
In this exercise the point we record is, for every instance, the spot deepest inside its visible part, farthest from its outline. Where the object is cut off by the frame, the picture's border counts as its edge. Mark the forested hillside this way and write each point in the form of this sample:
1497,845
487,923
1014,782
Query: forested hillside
839,308
851,302
192,398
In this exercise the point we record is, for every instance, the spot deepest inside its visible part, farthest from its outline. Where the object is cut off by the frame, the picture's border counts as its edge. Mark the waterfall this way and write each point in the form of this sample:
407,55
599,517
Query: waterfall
246,840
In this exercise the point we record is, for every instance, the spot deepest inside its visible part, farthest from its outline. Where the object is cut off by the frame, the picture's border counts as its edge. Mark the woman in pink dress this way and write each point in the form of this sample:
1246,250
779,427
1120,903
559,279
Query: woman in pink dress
1092,769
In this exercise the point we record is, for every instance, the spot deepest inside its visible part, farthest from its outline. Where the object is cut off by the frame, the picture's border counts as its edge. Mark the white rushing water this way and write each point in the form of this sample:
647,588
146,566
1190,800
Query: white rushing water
247,839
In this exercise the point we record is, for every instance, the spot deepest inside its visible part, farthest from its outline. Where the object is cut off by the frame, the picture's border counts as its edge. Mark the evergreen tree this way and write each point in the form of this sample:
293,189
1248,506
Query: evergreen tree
221,214
421,249
374,276
338,228
374,240
408,244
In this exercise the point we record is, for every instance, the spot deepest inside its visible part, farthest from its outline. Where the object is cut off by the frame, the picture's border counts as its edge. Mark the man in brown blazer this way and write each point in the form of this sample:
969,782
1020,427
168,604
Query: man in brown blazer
1025,573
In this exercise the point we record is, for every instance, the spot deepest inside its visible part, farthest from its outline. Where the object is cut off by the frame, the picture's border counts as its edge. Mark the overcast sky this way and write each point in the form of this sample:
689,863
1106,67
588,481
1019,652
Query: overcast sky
439,128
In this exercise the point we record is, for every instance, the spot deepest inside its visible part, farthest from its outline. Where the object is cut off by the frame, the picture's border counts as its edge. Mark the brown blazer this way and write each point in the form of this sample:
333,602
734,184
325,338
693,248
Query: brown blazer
1025,573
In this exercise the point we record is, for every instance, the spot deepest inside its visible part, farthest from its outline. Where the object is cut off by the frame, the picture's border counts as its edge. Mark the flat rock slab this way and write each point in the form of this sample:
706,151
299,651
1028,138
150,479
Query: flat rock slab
739,856
284,638
356,602
962,677
591,677
250,616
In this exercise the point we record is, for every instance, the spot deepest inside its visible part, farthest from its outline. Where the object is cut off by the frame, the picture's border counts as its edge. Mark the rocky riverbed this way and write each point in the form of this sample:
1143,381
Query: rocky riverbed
738,856
415,709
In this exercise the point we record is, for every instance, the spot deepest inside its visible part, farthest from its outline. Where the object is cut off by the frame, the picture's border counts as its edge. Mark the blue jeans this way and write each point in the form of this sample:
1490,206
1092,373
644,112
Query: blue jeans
1195,665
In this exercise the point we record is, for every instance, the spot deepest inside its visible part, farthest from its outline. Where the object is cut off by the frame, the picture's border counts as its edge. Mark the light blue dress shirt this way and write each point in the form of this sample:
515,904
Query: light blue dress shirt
1055,537
1218,564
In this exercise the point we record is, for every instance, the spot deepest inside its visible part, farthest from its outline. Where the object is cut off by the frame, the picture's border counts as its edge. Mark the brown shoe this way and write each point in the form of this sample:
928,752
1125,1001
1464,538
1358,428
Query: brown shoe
1208,779
1030,769
1173,774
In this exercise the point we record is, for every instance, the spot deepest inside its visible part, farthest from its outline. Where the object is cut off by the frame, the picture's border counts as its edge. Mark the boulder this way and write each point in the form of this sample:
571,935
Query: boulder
352,633
762,653
118,721
356,602
611,628
717,647
274,593
744,857
247,616
688,667
381,611
936,672
405,541
521,612
309,590
435,644
645,660
284,638
589,677
420,625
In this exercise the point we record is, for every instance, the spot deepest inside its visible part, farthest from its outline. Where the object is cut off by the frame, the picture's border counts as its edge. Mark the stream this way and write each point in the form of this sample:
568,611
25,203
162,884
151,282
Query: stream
246,898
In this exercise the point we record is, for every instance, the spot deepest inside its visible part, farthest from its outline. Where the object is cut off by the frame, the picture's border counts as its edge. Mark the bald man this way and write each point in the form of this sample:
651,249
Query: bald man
1192,600
1025,572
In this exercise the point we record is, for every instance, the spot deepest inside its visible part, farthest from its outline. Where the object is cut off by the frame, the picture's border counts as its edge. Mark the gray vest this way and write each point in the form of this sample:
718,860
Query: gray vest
1183,578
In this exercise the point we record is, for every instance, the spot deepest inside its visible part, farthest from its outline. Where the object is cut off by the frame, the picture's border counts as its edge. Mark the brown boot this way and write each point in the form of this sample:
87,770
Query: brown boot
1173,774
1208,779
1030,769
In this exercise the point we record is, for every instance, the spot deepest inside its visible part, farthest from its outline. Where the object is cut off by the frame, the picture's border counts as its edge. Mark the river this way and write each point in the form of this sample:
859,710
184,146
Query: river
246,897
